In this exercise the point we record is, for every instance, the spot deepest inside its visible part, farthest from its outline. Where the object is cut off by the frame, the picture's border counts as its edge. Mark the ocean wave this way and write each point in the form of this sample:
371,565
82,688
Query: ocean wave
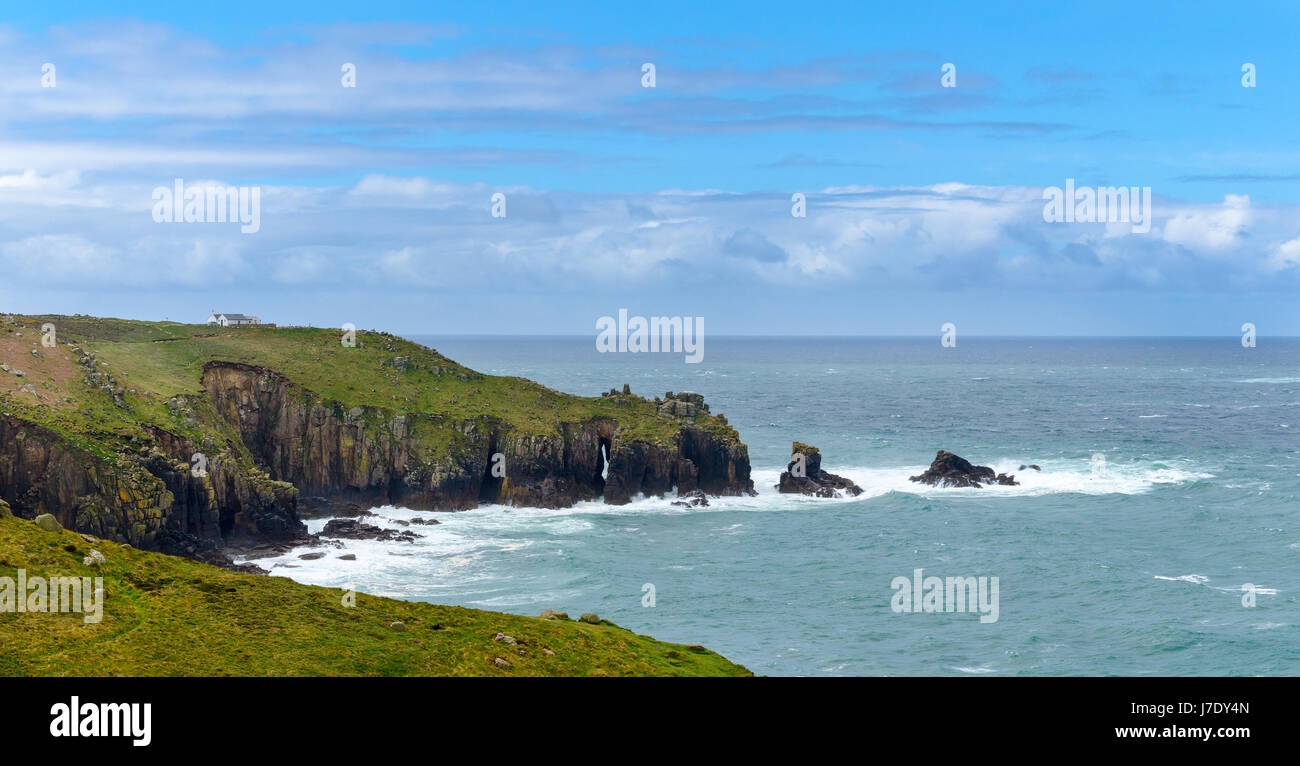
1200,579
977,671
461,554
1269,380
1062,477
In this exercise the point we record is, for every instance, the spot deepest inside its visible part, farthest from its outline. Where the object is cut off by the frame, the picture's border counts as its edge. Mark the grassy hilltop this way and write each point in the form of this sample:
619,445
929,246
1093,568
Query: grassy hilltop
150,364
164,615
102,418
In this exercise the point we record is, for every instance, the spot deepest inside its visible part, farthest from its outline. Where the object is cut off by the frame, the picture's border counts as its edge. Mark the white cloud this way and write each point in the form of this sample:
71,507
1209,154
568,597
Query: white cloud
1207,228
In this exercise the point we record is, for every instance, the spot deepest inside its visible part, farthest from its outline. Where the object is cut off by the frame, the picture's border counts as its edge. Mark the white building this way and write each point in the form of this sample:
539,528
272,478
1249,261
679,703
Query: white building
232,320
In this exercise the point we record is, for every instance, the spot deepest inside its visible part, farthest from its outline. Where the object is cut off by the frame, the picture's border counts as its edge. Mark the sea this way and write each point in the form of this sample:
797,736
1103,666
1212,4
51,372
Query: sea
1160,537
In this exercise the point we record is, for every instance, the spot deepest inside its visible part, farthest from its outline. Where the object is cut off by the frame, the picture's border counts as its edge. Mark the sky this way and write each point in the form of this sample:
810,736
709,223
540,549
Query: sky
922,204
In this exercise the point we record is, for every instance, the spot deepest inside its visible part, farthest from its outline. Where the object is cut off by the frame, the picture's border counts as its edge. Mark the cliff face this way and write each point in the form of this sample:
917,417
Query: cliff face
369,455
151,499
106,430
41,473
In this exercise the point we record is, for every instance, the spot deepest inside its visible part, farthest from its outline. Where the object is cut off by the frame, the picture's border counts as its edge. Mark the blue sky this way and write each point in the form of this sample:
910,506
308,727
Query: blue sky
924,203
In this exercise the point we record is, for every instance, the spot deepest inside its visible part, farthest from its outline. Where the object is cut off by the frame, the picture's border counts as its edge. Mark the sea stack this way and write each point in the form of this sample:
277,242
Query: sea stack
949,470
804,475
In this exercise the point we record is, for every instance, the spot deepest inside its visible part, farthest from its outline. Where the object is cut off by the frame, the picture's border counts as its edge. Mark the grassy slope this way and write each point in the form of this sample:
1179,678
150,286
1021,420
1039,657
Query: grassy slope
170,616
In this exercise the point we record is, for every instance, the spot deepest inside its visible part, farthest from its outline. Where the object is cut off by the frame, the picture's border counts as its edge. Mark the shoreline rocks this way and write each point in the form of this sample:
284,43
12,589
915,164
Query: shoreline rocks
949,470
804,475
352,529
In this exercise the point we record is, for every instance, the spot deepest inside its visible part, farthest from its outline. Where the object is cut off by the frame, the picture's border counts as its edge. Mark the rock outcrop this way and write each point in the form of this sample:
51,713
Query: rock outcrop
367,455
804,475
355,530
949,470
151,500
148,460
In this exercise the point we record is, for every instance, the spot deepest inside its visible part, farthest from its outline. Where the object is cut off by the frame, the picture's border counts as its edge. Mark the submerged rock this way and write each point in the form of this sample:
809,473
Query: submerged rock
949,470
804,475
355,530
694,499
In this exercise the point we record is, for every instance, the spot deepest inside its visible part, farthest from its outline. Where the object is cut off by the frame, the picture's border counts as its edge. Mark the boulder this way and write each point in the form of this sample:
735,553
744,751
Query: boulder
588,617
5,510
48,523
94,559
949,470
804,475
355,530
554,614
398,626
693,499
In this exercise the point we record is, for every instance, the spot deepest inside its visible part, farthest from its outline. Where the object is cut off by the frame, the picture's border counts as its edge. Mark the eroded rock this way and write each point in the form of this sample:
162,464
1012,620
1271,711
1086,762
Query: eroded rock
804,475
949,470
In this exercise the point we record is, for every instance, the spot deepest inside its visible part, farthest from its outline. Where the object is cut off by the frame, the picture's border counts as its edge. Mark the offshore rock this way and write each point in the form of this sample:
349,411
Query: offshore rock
804,475
949,470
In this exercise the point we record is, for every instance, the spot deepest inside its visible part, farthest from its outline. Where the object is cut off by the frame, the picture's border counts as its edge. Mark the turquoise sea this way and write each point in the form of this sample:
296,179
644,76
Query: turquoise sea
1133,563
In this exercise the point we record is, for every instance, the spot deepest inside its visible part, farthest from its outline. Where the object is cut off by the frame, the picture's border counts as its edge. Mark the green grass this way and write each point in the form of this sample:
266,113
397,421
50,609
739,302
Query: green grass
174,617
161,360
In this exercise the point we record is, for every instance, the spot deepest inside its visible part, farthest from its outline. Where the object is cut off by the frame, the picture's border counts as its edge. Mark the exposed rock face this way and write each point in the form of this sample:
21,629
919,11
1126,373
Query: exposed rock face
151,495
374,456
152,501
949,470
804,475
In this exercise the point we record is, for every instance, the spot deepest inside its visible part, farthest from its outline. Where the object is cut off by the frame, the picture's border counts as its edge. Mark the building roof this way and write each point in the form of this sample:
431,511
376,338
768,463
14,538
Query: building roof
235,316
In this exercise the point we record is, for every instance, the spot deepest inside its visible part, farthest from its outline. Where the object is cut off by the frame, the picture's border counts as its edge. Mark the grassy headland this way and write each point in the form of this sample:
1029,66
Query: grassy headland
164,615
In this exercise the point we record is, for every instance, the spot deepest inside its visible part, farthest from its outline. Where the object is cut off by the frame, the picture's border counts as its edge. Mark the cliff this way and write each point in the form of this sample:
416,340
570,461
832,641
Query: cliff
185,438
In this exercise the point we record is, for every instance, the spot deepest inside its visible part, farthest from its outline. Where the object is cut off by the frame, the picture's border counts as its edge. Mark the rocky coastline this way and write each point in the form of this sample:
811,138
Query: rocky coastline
244,462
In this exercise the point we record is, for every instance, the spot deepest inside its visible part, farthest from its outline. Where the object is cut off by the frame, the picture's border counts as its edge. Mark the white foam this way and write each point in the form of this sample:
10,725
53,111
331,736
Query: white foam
1270,380
1196,579
1054,478
455,554
979,671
